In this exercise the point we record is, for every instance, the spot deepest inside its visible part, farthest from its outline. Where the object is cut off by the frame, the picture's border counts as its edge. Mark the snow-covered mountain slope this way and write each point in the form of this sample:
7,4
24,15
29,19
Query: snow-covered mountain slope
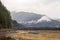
44,18
58,20
25,16
35,20
44,21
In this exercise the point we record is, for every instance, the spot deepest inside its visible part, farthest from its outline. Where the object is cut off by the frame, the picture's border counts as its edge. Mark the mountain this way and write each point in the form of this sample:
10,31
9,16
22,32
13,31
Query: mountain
16,25
25,16
44,23
44,18
58,20
35,21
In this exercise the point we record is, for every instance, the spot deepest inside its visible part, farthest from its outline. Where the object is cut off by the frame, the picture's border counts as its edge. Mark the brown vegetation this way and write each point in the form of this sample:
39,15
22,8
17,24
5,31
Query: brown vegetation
41,35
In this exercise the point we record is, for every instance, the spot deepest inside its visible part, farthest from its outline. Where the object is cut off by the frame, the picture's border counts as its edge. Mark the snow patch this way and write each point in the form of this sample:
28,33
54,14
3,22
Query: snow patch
44,18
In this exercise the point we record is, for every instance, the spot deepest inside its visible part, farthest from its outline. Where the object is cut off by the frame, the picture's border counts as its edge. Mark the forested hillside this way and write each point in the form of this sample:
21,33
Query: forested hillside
5,18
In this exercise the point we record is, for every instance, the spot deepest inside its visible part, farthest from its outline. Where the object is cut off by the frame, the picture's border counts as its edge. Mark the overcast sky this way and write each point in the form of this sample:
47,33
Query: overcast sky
50,8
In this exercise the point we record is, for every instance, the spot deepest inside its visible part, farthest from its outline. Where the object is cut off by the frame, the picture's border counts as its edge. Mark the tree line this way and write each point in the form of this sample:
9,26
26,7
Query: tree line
5,18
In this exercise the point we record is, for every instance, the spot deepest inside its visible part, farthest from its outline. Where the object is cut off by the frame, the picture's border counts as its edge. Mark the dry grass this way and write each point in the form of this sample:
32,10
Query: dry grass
42,35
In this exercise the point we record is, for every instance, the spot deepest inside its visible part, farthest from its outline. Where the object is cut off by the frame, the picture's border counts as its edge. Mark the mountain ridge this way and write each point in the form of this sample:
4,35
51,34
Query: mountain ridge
38,20
25,16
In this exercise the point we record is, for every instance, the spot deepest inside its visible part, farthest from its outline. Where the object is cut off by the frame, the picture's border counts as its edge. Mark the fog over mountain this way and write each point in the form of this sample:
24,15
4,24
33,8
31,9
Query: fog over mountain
35,20
48,7
25,16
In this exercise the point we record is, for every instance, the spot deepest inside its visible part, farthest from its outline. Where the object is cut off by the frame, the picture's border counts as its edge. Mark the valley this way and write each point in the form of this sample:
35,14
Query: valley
35,34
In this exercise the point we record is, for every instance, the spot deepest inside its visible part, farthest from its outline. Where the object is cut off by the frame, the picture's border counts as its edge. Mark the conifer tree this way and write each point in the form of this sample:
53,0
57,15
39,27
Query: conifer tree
5,18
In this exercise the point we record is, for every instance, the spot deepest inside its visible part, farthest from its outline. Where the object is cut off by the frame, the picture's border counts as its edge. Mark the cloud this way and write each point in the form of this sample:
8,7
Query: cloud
48,7
45,2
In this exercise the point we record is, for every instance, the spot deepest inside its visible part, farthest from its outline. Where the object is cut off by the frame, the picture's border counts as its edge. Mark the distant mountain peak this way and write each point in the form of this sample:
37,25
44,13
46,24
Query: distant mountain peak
44,18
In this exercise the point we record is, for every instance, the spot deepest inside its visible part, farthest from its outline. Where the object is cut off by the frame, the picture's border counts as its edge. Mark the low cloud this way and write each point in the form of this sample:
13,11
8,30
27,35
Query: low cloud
48,7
